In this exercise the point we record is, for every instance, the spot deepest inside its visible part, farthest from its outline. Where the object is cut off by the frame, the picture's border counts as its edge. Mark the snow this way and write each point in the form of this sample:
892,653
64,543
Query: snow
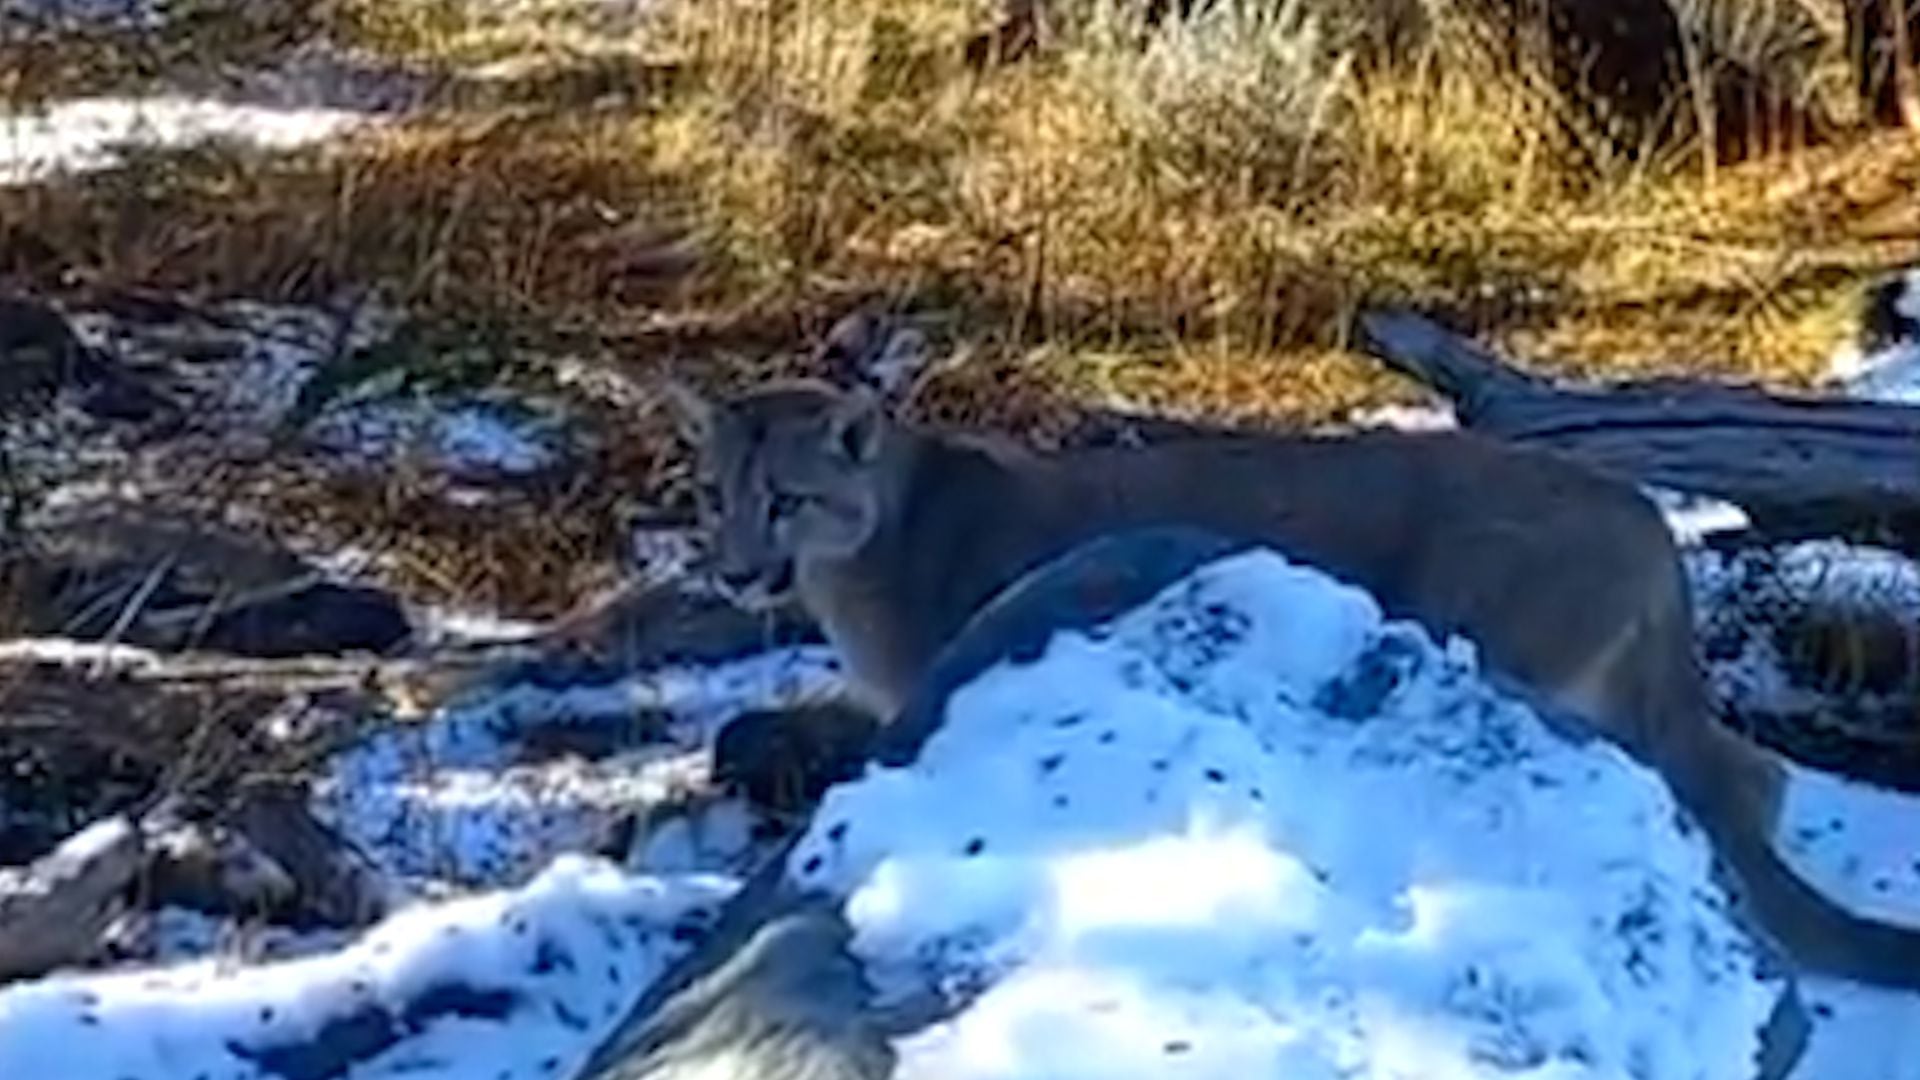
1692,518
87,134
517,983
1860,844
469,435
463,626
1437,416
1253,829
1250,829
518,976
128,14
253,363
1891,374
459,800
173,936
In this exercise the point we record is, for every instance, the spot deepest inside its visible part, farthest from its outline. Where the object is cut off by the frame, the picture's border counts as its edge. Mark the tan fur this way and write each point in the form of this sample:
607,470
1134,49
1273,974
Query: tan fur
1567,579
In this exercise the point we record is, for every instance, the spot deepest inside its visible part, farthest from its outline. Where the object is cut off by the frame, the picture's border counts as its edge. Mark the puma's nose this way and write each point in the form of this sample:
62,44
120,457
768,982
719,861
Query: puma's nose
735,579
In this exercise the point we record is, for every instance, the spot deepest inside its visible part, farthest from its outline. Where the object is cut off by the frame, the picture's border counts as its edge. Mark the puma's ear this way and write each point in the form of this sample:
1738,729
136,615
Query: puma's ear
692,413
878,351
855,429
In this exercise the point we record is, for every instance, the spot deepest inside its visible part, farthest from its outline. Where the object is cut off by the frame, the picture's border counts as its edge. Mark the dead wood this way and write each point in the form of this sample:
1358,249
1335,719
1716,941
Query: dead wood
1801,467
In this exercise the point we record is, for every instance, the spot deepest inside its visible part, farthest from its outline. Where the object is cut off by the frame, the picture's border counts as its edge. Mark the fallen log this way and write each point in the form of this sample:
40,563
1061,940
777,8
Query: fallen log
128,665
1801,467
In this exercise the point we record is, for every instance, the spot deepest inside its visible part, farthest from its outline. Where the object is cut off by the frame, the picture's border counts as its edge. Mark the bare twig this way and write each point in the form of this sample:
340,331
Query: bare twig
296,674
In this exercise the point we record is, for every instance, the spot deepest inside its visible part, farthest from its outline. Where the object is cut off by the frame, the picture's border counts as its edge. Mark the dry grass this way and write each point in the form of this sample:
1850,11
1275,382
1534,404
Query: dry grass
1215,204
1185,218
1185,215
1192,220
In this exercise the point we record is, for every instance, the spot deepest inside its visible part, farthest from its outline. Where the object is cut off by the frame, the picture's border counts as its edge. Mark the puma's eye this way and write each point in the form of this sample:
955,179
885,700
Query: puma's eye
783,505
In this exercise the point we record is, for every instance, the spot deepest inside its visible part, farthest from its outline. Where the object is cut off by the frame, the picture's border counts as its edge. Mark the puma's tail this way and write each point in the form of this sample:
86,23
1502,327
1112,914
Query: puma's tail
1814,931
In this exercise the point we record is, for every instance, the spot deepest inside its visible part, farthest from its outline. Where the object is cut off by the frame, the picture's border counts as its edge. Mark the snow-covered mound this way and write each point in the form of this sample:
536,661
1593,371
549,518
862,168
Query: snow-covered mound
511,984
1255,830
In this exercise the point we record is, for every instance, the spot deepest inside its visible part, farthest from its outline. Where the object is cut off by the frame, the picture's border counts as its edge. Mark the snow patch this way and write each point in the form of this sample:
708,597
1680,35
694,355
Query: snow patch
1891,374
1254,829
249,365
125,14
1692,518
88,134
67,652
1435,417
445,626
459,799
1860,845
1250,829
519,983
86,846
469,435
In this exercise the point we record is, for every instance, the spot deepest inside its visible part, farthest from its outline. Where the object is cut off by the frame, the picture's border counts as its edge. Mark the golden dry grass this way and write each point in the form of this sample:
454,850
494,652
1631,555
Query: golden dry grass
1191,222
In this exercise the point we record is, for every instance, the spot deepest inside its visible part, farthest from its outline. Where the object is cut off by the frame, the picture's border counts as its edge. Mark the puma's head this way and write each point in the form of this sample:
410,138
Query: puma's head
787,473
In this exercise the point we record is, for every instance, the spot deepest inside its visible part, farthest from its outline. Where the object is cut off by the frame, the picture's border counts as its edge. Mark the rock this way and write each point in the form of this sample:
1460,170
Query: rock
41,356
334,885
212,870
324,618
788,1005
676,622
783,760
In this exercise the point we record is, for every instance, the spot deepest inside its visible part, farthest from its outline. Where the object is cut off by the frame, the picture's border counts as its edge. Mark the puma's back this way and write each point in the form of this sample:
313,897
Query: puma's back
1566,579
894,537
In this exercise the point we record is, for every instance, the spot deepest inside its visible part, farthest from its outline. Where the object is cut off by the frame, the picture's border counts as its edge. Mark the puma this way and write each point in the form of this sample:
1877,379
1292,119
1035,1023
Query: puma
1566,578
